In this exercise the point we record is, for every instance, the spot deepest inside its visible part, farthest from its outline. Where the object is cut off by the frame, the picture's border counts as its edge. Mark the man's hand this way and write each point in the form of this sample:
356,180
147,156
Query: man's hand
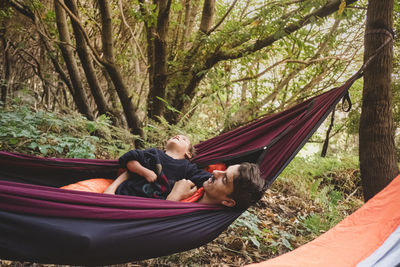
151,176
182,190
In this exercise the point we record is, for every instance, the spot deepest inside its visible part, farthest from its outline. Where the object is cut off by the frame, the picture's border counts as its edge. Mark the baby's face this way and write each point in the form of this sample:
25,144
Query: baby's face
181,144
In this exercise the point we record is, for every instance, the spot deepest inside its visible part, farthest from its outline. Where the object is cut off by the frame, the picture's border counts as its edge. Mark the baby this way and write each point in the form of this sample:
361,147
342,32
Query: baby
153,172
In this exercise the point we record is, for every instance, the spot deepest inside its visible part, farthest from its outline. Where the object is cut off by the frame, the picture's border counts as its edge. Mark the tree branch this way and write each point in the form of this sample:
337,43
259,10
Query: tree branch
22,9
85,35
304,62
261,73
325,11
132,33
223,18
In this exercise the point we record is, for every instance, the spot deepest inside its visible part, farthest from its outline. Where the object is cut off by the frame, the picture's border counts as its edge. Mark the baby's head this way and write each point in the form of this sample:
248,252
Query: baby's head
181,145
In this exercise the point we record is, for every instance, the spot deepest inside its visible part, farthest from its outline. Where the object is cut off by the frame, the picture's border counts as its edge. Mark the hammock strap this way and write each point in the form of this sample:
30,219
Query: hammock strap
326,142
346,99
391,37
360,72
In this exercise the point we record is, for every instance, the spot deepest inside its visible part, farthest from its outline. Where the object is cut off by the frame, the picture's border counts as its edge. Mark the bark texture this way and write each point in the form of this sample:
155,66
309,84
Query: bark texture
5,76
208,15
378,161
157,57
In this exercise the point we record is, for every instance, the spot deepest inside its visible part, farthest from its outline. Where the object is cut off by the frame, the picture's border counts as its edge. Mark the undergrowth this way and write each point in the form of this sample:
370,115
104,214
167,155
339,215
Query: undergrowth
53,134
58,135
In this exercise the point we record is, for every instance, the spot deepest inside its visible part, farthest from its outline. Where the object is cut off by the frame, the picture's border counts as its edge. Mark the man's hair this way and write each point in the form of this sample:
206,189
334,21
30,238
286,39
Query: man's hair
248,187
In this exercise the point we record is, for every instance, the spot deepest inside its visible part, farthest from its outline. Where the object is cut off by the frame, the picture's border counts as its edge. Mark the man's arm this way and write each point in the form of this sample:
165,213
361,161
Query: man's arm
182,190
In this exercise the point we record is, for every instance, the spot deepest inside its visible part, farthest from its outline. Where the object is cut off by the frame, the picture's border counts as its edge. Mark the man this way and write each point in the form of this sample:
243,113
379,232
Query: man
238,186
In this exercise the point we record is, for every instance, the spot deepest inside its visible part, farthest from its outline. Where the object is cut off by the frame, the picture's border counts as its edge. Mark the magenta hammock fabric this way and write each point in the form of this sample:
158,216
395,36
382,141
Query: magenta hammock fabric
41,223
42,200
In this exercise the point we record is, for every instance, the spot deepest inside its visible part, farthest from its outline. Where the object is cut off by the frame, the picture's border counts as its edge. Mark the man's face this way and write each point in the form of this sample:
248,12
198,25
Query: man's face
220,186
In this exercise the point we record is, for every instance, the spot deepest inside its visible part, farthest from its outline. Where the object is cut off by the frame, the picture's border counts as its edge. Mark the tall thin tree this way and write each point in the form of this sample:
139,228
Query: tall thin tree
87,63
378,161
79,95
114,72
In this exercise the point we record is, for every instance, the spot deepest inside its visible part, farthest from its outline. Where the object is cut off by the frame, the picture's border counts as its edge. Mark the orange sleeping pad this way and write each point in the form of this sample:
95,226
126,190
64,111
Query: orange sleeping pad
96,185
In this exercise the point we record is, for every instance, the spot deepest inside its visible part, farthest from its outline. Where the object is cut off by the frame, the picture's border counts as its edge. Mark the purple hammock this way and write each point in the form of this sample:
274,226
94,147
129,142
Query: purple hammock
41,223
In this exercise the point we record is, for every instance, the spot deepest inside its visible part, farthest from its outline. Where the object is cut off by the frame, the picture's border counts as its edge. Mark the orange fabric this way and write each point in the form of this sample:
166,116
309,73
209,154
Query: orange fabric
196,196
217,166
96,185
353,239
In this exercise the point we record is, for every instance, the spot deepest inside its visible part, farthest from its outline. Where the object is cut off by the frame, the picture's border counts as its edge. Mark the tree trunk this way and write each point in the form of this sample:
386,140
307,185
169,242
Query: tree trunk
120,119
157,57
87,63
43,72
5,77
328,132
191,7
378,162
208,15
115,75
79,95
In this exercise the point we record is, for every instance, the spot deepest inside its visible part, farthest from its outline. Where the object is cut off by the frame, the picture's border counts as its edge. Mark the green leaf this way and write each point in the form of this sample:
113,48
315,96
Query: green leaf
168,106
91,127
286,244
254,240
33,145
43,150
59,149
314,188
13,141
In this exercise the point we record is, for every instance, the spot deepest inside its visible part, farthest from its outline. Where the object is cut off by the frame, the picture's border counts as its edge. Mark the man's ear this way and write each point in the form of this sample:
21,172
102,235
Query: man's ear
229,202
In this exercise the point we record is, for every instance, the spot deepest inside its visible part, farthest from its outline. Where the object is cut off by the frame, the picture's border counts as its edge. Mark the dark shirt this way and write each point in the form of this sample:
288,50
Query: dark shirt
168,170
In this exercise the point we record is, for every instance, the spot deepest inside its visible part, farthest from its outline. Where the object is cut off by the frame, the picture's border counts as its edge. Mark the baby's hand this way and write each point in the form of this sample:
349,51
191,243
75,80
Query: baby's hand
151,177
